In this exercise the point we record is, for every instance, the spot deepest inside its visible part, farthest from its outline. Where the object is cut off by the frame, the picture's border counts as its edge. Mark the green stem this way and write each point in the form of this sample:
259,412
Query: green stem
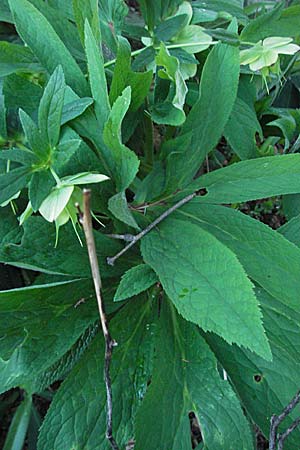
170,46
55,176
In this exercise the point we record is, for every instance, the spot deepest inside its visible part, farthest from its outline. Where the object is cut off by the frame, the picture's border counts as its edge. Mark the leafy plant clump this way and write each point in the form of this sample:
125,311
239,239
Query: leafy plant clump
174,114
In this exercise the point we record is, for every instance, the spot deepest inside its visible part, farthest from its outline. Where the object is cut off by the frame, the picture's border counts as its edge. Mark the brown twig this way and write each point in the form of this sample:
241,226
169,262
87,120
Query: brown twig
111,261
86,221
276,421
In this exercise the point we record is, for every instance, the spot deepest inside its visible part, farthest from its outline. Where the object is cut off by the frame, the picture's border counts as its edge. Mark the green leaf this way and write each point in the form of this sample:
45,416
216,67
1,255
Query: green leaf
268,258
34,137
64,151
97,77
119,207
211,289
251,180
21,93
14,57
186,379
134,281
9,230
40,187
241,128
36,251
24,156
206,121
224,9
87,10
169,110
63,427
277,22
168,28
74,109
124,76
51,52
5,14
83,178
51,106
3,125
154,11
16,434
265,388
33,342
193,34
12,182
123,163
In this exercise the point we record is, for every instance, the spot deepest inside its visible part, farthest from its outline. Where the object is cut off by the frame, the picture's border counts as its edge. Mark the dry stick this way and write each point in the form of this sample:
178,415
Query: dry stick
86,221
289,430
276,421
111,261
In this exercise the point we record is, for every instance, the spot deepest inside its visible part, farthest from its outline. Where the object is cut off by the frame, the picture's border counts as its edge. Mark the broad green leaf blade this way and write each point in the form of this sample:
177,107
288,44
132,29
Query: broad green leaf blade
14,57
55,203
9,229
211,288
134,281
81,423
154,11
97,77
186,378
207,119
241,128
74,109
51,106
119,207
64,151
16,434
51,52
266,388
40,187
87,10
21,93
124,76
24,156
36,251
123,162
12,182
268,258
251,180
33,342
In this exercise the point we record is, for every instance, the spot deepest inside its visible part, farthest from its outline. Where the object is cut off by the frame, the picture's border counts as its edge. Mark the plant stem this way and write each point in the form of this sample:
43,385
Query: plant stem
86,221
170,46
152,225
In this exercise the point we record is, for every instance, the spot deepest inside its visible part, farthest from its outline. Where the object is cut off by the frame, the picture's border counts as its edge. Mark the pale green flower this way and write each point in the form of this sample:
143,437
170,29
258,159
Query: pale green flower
266,53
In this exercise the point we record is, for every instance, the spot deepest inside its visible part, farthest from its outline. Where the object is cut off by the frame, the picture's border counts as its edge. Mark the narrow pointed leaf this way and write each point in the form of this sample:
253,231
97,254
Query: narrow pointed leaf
134,281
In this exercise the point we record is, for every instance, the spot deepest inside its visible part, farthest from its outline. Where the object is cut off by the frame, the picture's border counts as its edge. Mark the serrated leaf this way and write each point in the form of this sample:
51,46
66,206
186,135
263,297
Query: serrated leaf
123,163
97,77
207,119
186,379
74,109
87,10
268,258
40,187
51,106
251,180
211,288
266,388
124,76
119,207
241,128
12,182
134,281
56,202
133,328
33,342
31,25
